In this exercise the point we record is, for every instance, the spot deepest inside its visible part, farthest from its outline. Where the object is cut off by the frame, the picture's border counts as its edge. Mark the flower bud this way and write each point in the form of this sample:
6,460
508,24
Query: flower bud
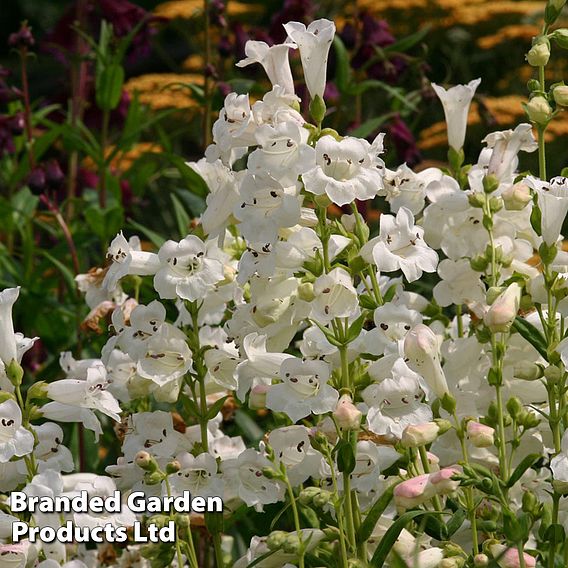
509,557
490,183
552,374
145,461
479,263
307,495
415,435
476,200
539,54
560,95
37,390
480,435
503,310
346,414
322,498
480,560
443,425
422,488
15,372
538,110
291,544
153,478
422,350
527,371
257,397
561,37
453,562
517,196
173,467
306,291
276,539
530,502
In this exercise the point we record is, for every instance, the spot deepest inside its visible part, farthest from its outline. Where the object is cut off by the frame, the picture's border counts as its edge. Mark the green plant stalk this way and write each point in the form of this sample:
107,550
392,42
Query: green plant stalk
27,106
102,161
296,515
178,547
201,371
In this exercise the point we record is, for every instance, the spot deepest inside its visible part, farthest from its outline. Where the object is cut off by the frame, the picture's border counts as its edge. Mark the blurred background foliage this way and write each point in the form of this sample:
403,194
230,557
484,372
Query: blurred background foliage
103,101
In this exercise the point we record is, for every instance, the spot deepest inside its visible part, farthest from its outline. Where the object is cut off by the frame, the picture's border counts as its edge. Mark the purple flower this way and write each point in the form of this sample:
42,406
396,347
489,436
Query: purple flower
403,141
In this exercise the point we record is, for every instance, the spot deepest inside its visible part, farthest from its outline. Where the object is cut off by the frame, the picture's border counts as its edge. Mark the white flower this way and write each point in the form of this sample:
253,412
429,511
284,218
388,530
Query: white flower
506,145
370,460
128,258
459,285
265,207
395,402
400,246
245,476
198,474
50,452
456,102
12,345
304,389
75,399
235,126
274,60
422,349
292,448
335,296
346,170
186,270
283,153
15,440
553,203
314,43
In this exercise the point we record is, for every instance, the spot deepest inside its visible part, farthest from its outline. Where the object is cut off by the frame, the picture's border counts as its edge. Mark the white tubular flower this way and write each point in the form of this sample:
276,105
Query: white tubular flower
314,43
128,258
50,452
304,389
75,399
292,448
186,270
12,345
553,203
370,460
416,435
235,126
456,102
346,414
509,557
167,357
274,60
506,145
345,170
15,440
197,475
400,246
284,152
559,467
459,285
422,349
422,488
480,435
244,475
335,296
265,207
503,310
395,402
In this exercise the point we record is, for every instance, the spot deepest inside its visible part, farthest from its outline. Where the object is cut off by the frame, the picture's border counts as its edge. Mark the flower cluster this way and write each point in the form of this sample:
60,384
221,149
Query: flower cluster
411,425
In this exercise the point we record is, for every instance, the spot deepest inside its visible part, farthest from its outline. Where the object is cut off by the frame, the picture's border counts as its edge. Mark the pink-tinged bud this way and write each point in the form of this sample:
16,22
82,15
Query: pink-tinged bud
415,435
480,435
419,489
257,397
509,557
481,560
503,310
422,349
346,414
517,196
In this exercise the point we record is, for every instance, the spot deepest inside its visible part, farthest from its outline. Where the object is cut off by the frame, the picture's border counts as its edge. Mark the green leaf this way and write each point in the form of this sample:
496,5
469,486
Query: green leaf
182,218
156,239
250,429
216,408
109,87
391,536
407,42
355,328
455,522
374,514
343,67
532,335
394,92
345,457
261,558
194,182
65,272
369,126
527,462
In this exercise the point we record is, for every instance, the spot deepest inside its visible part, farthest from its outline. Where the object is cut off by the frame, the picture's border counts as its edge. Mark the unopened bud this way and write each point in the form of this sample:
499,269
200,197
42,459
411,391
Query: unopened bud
517,196
552,374
443,425
509,557
15,372
276,539
490,183
527,371
514,406
480,560
291,544
145,461
173,467
538,110
476,200
322,498
503,310
416,435
539,54
346,414
306,291
479,263
560,95
153,478
480,435
306,495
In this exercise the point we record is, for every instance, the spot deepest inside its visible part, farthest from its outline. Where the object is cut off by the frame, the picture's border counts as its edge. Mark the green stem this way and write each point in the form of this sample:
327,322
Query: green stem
296,515
178,547
102,162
